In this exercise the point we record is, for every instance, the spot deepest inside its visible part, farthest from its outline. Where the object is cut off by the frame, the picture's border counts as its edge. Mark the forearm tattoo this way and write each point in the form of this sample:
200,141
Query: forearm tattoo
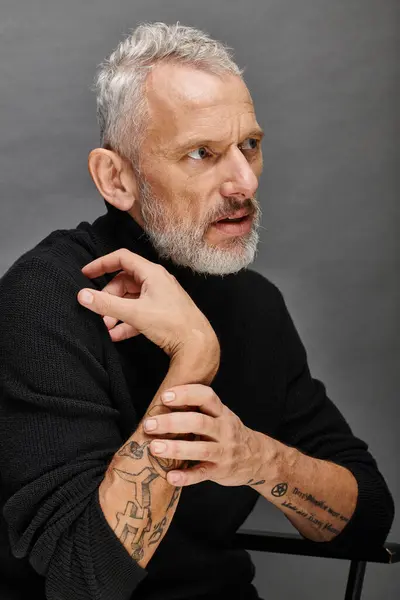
136,520
158,531
281,489
133,450
320,503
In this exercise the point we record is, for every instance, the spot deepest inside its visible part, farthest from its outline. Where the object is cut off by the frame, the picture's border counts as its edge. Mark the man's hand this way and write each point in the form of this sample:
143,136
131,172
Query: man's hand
148,300
228,451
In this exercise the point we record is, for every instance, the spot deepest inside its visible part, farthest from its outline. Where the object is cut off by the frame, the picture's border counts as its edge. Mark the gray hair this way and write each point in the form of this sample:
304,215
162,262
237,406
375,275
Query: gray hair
119,83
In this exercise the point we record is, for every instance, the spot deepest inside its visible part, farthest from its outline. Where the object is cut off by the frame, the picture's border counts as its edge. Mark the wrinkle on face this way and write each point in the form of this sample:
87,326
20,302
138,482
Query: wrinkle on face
186,103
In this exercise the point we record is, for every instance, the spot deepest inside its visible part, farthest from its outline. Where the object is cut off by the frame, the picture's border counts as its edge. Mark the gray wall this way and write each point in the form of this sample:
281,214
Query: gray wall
323,75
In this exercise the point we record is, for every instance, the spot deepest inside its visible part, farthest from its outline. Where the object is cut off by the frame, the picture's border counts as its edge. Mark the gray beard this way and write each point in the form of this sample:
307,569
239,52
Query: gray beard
183,243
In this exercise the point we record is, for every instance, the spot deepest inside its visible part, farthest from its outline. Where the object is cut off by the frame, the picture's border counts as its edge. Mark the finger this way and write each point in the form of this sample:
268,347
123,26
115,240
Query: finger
107,305
110,322
182,450
183,422
116,286
123,331
122,285
197,474
196,394
134,264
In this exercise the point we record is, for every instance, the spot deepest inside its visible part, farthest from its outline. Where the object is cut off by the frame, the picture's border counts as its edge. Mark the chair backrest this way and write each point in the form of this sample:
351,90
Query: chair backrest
291,543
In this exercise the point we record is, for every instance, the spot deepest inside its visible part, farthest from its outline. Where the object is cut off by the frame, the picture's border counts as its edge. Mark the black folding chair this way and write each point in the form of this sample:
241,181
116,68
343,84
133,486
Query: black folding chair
291,543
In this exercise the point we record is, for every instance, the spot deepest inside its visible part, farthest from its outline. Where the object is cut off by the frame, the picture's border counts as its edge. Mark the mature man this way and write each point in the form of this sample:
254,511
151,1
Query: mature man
91,509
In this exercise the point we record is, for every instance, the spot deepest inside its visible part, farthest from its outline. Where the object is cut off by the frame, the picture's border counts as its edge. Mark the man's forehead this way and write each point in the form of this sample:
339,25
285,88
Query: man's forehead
186,102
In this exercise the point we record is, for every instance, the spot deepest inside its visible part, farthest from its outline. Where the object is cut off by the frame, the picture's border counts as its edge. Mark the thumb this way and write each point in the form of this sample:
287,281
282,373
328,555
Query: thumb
105,304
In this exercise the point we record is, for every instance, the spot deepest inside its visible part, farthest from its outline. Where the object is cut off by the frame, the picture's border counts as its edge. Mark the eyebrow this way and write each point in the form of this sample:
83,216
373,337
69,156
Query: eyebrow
199,142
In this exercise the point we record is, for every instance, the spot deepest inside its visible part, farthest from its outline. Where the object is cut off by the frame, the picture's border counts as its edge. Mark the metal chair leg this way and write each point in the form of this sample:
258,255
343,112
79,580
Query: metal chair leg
355,580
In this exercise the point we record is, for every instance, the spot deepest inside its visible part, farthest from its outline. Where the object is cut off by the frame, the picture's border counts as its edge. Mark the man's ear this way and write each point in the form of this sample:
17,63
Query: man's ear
114,177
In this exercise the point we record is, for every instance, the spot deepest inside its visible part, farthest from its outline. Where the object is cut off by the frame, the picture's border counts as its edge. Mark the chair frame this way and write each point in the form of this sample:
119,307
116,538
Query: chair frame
291,543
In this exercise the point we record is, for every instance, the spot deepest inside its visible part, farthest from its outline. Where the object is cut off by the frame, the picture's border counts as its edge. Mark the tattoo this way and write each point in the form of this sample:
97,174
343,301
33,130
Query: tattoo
330,527
279,490
160,464
164,465
319,503
174,497
158,531
133,450
256,482
136,520
311,517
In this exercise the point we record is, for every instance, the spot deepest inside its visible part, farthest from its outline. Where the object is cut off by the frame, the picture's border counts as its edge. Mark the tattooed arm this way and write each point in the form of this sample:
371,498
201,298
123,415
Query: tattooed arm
317,471
135,496
317,496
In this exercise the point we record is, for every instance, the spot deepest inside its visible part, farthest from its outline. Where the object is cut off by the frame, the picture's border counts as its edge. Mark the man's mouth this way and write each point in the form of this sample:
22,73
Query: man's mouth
234,226
232,220
237,217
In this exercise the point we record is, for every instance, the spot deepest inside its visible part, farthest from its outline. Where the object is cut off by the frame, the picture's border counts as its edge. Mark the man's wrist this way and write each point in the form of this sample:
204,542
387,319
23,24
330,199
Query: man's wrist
202,361
274,461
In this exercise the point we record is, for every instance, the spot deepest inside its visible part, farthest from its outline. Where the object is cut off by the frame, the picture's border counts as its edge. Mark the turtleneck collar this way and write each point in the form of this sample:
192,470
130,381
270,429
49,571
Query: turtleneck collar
118,229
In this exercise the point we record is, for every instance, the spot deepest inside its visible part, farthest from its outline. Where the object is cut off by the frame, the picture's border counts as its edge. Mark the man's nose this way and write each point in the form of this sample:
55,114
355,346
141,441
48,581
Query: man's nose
241,179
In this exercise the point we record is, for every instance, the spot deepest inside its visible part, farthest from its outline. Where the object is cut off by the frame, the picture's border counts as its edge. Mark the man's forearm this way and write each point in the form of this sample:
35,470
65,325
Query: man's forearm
135,496
317,496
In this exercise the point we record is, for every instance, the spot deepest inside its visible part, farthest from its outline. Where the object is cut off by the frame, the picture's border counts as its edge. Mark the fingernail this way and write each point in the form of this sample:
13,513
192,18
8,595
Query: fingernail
168,396
150,424
86,297
158,447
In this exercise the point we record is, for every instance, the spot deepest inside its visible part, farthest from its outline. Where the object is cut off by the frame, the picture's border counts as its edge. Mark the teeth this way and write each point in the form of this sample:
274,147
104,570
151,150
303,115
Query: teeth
232,218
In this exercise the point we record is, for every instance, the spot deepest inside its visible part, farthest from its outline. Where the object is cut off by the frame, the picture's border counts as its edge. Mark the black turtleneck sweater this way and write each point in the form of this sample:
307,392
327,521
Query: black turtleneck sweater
70,397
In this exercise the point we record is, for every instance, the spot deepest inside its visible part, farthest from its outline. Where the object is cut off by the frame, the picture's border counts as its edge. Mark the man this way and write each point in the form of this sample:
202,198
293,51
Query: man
91,509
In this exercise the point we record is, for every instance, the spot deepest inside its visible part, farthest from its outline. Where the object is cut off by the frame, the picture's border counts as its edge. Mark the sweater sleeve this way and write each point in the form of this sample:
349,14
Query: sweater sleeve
58,431
313,424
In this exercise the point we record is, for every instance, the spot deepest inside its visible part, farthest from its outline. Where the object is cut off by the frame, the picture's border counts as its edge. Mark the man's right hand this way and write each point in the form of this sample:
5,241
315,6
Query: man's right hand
148,300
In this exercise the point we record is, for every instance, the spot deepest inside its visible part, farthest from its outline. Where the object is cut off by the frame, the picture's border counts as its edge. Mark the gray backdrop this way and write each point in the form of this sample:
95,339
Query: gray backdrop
323,75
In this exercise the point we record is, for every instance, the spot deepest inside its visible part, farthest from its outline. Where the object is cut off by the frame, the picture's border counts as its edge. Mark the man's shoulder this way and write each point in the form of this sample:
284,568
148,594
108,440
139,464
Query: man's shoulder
67,249
54,263
62,250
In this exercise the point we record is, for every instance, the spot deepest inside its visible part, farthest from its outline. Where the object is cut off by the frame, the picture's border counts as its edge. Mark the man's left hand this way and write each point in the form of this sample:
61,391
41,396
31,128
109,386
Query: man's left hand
228,451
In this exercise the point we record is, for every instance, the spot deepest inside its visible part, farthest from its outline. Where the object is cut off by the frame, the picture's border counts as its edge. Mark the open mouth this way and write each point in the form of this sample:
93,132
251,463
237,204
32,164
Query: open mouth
238,220
237,226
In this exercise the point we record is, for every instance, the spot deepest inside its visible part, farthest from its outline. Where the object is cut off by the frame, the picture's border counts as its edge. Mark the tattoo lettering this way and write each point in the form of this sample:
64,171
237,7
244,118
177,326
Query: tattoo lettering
319,503
158,531
310,517
330,527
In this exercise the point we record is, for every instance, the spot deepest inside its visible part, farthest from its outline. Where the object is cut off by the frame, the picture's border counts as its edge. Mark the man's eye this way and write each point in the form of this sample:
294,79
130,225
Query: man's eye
252,144
199,153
